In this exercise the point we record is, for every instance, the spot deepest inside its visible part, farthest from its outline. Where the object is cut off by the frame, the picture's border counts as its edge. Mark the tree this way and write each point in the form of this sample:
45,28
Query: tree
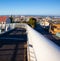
11,18
32,22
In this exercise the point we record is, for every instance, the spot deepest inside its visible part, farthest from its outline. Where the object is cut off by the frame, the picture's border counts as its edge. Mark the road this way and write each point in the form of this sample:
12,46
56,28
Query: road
46,34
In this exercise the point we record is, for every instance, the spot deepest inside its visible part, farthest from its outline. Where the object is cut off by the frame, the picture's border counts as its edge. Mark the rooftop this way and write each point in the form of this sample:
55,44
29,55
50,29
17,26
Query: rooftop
3,18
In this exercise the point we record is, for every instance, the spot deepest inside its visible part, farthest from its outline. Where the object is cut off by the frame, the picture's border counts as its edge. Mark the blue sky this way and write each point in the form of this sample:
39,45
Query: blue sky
30,7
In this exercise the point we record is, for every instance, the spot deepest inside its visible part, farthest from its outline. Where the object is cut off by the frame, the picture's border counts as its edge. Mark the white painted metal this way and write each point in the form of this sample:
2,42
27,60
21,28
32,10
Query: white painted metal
45,50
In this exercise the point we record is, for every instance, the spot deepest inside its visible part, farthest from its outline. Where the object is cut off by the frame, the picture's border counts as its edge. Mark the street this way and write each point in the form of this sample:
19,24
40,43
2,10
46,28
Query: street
46,34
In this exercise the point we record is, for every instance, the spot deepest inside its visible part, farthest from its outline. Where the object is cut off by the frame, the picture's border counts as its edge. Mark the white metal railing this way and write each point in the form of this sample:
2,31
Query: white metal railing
10,26
43,48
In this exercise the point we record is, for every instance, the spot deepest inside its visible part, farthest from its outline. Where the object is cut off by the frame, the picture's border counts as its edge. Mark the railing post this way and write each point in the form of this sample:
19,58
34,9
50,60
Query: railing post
6,28
0,31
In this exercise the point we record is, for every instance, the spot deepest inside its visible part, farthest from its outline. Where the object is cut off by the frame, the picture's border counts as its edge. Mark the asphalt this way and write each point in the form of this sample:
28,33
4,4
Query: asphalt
46,34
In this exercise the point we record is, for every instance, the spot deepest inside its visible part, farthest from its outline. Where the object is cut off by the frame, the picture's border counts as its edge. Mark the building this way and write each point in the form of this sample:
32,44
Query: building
3,21
16,19
54,27
44,23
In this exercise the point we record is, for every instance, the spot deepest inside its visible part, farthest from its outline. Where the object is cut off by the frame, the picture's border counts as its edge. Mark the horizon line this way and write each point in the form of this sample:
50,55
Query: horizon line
28,15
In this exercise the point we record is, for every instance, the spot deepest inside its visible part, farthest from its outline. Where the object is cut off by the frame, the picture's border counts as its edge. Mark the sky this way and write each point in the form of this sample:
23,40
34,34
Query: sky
29,7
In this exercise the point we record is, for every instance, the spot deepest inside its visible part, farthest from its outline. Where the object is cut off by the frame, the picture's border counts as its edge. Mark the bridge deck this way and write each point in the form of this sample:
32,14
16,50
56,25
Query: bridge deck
13,45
